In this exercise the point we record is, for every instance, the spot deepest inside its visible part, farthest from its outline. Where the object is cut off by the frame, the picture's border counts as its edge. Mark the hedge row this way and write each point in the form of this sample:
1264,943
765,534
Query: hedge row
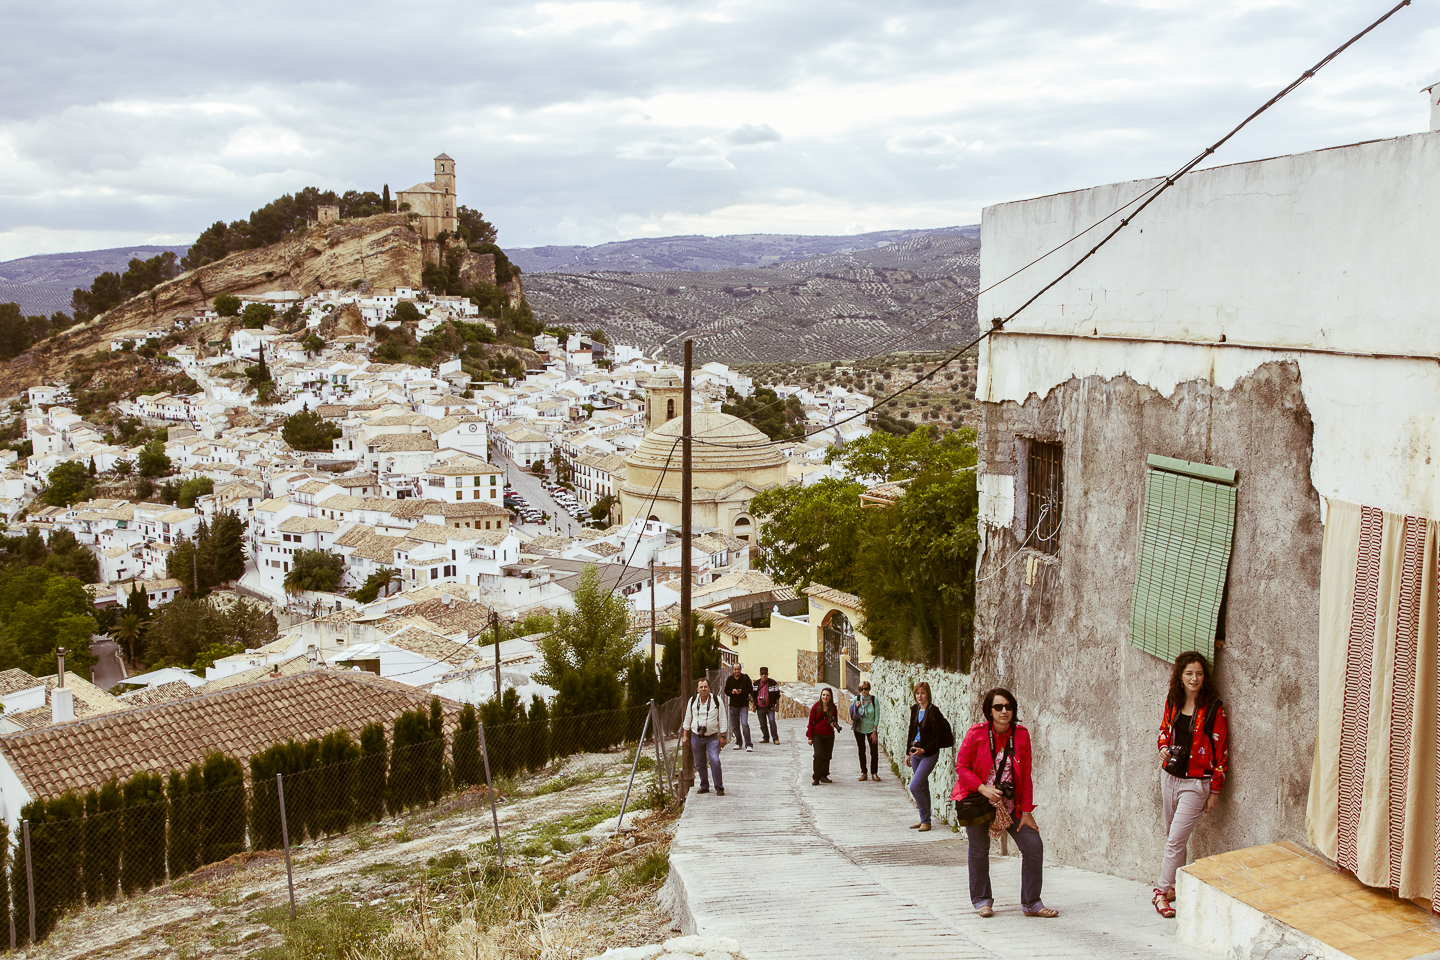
125,838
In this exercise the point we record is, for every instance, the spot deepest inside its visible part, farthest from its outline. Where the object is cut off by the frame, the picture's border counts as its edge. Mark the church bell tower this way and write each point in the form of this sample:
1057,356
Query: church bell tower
445,180
664,394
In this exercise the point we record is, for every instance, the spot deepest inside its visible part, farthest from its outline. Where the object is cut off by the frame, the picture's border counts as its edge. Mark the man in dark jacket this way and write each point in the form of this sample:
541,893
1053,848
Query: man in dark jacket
739,691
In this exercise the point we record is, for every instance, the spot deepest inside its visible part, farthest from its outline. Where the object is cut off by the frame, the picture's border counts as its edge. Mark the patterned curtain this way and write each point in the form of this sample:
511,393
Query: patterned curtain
1376,781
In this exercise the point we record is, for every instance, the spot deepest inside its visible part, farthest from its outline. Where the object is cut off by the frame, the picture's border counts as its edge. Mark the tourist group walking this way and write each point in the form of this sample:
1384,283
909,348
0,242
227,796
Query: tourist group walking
994,791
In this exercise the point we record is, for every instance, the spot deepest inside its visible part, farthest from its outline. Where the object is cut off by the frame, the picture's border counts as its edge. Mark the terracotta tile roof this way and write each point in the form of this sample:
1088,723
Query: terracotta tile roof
287,668
429,533
413,509
342,501
393,442
164,693
830,595
379,548
355,536
361,480
427,644
308,525
463,466
471,508
240,721
15,680
90,701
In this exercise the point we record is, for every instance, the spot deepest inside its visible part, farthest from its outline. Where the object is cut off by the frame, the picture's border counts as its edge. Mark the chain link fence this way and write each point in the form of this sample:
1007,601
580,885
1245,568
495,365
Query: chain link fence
127,837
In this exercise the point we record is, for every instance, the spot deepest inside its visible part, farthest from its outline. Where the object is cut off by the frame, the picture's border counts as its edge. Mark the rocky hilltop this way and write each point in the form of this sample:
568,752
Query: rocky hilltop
379,252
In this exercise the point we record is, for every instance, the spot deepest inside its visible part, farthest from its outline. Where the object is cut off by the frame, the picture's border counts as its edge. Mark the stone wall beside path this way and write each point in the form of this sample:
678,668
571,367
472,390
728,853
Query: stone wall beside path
892,682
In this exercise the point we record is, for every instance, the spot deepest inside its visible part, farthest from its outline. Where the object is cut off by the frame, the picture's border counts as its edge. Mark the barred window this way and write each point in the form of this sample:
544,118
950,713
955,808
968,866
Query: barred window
1046,502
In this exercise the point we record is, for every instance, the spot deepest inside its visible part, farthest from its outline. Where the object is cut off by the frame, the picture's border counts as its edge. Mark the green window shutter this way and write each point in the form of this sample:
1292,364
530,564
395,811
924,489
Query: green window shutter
1185,538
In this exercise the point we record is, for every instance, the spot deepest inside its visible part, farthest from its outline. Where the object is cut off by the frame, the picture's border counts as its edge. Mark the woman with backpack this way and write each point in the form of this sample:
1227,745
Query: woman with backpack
993,793
824,721
864,720
929,734
1194,747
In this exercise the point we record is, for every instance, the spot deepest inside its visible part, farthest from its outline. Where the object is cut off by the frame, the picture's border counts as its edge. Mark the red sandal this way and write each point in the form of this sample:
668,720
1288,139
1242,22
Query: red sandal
1162,905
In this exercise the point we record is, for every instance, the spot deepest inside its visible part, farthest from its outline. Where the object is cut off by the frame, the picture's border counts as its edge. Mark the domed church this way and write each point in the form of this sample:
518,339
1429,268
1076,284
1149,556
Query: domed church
731,461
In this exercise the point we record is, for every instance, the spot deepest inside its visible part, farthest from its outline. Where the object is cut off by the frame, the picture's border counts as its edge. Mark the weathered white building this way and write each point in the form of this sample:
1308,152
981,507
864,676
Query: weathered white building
1169,436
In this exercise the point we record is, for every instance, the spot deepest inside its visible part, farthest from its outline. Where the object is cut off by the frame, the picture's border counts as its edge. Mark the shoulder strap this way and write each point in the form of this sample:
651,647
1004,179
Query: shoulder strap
1211,712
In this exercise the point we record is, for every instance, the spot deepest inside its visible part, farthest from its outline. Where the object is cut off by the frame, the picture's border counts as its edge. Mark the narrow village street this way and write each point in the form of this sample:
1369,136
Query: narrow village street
528,486
790,870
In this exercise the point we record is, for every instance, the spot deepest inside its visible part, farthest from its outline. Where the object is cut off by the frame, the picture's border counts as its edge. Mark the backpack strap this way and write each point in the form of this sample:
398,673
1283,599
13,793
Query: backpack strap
1211,712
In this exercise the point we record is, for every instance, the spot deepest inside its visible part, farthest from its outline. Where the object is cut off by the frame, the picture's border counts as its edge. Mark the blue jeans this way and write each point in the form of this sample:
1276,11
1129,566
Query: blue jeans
764,715
920,783
1032,854
740,721
703,748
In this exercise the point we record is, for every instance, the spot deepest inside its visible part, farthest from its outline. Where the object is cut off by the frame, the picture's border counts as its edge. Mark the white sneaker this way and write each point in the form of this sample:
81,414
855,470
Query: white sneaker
749,749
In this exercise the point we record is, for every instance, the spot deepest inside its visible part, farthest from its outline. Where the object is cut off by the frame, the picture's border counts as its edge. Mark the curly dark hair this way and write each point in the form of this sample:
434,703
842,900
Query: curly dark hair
987,704
1207,694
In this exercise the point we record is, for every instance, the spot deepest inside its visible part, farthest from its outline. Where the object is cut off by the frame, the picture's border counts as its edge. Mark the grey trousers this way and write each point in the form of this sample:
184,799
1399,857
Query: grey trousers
1184,802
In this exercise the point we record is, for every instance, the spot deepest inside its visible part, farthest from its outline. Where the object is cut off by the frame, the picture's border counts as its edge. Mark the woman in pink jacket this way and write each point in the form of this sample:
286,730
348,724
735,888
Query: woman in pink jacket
994,761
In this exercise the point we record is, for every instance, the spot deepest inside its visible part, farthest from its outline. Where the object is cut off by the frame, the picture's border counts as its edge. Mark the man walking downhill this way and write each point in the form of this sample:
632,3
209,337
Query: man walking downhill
740,691
767,706
704,731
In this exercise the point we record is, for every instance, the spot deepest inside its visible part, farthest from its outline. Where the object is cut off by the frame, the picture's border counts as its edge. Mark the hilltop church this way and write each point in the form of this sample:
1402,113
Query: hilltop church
434,202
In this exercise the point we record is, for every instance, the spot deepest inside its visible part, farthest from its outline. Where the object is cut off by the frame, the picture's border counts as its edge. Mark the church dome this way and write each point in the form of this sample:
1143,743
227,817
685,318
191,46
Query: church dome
720,443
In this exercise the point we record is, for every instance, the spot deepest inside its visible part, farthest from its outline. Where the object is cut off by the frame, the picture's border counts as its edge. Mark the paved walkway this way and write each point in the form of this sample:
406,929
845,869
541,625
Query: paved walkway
790,870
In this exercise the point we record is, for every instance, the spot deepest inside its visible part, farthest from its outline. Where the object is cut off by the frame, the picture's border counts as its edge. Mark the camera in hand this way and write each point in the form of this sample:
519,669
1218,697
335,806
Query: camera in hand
1007,790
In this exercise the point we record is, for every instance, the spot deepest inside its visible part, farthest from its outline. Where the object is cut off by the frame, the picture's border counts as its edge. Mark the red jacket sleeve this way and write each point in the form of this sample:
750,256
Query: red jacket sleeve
1221,748
1024,787
968,776
1162,742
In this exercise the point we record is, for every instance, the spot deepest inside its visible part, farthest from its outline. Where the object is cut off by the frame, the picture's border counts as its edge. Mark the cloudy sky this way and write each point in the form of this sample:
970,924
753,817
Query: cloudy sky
586,122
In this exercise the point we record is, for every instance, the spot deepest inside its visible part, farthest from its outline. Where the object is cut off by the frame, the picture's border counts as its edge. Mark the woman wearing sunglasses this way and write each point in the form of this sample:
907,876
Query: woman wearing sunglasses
994,762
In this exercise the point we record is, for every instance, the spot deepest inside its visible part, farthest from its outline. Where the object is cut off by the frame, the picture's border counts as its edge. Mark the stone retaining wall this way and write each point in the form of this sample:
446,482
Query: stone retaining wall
892,683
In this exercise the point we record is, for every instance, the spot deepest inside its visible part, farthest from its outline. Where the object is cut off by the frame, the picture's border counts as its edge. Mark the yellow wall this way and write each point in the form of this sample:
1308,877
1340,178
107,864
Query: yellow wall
775,647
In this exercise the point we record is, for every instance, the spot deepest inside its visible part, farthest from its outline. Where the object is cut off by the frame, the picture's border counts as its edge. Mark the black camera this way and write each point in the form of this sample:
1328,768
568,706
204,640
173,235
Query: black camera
700,731
1007,790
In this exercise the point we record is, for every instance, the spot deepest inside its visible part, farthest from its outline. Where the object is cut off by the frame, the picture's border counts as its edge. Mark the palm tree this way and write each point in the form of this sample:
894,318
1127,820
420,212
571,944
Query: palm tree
128,631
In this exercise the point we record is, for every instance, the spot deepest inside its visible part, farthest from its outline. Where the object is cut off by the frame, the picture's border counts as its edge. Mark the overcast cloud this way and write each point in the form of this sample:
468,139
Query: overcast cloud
595,121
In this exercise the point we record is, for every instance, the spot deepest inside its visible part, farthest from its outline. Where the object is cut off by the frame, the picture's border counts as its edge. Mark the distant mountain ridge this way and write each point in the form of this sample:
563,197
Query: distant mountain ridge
42,284
698,253
829,307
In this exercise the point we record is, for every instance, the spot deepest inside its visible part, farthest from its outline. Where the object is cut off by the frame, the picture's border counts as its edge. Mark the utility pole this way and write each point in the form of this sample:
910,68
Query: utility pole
495,625
687,682
652,607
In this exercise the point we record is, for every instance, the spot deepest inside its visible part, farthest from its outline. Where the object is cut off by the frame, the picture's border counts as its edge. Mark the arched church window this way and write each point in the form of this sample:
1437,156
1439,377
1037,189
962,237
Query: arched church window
669,409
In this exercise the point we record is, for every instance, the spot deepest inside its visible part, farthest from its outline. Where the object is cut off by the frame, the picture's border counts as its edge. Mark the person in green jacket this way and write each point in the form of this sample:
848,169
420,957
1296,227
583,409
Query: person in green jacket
864,719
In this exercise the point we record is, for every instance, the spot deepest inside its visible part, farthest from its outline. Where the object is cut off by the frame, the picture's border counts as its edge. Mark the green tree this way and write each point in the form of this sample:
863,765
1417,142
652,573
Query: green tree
225,546
594,636
538,736
312,343
68,557
465,751
370,788
405,312
129,630
66,484
777,419
381,579
152,459
704,655
473,225
318,571
142,862
187,819
810,534
193,488
186,629
40,612
224,824
257,315
307,430
227,305
103,837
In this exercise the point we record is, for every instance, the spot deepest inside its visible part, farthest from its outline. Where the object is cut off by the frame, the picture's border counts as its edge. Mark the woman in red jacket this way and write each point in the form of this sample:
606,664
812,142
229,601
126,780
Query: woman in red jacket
994,761
1194,747
824,721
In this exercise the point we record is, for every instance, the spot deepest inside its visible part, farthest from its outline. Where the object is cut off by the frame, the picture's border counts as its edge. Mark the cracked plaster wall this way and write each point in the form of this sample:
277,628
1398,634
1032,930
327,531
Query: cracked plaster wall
1091,701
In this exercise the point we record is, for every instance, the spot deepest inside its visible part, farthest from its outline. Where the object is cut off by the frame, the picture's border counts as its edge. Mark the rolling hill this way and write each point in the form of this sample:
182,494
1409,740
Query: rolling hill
43,283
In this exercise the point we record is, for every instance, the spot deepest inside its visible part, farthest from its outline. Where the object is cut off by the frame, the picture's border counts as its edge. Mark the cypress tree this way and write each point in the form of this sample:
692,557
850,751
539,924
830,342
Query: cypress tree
406,788
264,802
223,833
336,779
103,837
142,855
370,788
435,772
385,198
538,741
187,819
56,850
465,751
19,896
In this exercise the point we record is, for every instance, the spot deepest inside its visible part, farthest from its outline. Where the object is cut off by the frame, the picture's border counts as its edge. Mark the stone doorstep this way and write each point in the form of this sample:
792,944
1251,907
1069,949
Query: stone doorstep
1248,902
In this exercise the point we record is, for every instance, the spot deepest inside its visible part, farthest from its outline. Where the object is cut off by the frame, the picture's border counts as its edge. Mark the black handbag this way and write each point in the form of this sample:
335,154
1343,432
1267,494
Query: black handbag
976,809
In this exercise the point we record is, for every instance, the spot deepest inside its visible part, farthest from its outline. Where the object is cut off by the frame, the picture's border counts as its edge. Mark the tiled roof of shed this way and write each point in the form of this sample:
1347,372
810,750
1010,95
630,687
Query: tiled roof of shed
86,753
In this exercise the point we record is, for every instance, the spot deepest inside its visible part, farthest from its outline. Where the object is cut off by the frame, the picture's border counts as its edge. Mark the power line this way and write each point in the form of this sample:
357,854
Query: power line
1149,197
